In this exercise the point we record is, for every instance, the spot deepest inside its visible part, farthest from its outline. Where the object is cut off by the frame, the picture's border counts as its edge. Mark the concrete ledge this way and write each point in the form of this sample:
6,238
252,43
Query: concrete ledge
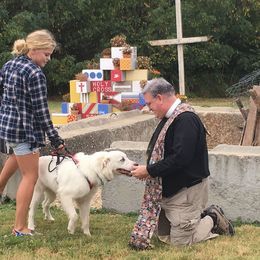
234,183
97,133
124,194
235,180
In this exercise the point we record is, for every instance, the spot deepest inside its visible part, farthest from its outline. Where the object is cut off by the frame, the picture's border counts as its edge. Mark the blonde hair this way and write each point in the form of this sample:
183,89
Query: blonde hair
40,39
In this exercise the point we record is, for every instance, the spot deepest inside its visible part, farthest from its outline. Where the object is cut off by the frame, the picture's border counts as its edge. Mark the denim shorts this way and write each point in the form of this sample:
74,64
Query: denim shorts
22,148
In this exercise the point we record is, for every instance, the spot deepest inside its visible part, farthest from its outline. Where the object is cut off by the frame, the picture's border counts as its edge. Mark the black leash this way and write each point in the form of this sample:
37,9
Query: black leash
57,153
60,157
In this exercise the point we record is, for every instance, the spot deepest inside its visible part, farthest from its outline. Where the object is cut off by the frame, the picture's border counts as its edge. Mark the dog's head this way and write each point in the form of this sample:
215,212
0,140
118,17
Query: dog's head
104,165
118,163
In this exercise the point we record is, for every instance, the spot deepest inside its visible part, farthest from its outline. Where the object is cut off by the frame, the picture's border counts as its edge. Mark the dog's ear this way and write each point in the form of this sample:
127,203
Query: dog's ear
105,162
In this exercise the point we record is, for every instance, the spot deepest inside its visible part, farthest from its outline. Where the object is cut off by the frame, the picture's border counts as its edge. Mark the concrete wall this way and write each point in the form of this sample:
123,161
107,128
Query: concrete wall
235,180
234,183
224,125
97,133
124,194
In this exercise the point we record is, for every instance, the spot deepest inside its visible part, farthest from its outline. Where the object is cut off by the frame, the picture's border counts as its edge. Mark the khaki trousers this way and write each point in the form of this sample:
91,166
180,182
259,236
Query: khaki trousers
180,222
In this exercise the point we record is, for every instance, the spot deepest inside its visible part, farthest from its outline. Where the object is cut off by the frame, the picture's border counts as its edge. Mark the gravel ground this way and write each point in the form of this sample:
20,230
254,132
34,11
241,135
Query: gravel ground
97,200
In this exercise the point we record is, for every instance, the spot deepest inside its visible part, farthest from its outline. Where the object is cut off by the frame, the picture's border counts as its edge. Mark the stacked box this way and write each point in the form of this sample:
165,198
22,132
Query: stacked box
89,108
106,64
117,52
137,75
136,87
74,96
106,90
82,87
94,97
59,118
127,64
72,118
125,86
101,86
64,107
93,75
115,109
141,99
117,75
104,109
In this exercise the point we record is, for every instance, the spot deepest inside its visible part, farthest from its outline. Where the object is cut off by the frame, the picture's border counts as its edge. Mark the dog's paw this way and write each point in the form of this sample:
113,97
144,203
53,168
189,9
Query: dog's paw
87,233
48,217
70,231
31,227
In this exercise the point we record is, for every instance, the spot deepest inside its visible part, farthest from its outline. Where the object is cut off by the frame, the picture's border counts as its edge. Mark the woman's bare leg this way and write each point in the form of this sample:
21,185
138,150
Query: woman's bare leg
8,170
28,165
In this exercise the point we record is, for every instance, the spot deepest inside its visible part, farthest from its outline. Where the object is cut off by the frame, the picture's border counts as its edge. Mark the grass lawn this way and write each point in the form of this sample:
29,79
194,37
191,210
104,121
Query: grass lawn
55,103
110,235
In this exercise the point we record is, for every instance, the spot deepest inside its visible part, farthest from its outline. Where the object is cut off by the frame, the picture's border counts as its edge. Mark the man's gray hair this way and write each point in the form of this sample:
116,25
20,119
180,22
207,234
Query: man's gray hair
159,86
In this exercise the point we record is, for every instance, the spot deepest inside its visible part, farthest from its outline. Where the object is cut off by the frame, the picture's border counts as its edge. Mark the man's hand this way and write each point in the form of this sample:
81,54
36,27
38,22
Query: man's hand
140,172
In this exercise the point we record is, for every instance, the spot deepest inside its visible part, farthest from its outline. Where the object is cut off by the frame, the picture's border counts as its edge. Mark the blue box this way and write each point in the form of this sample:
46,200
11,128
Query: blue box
104,109
141,99
64,107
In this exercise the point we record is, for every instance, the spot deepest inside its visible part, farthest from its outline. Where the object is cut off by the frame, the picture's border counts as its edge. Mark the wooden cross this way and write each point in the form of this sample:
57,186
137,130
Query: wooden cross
179,42
251,131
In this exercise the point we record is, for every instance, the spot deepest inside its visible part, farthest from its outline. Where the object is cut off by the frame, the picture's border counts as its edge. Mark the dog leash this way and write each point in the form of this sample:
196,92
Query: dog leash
60,157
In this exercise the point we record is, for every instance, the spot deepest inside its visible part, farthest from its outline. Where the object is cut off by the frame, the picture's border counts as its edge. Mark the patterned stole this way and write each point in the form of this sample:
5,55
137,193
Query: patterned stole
150,208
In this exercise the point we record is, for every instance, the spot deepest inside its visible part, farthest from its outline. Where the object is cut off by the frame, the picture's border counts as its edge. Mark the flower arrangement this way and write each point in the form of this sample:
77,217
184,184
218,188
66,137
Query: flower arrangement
144,62
125,105
81,77
92,64
116,62
183,98
127,51
143,83
66,97
118,41
154,73
106,53
74,109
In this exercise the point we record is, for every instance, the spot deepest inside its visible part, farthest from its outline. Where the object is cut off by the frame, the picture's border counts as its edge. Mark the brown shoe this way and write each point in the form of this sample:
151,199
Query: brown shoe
222,225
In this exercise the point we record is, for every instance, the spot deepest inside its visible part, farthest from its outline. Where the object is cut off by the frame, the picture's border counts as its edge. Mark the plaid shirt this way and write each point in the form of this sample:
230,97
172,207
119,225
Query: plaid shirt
24,112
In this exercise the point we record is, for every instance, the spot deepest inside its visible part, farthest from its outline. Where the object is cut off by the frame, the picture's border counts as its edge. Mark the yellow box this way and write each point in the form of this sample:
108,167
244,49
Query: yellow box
115,109
136,75
74,96
59,118
127,64
93,97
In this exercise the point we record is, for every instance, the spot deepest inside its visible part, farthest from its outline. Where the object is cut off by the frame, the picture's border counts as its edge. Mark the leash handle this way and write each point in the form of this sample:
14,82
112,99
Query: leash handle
58,152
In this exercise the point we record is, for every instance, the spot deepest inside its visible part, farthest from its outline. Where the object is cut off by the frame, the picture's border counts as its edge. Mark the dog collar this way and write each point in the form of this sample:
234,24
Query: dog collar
102,182
89,183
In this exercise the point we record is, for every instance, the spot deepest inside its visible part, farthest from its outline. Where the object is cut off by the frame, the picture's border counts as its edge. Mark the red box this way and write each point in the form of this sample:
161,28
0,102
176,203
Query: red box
117,75
101,86
88,109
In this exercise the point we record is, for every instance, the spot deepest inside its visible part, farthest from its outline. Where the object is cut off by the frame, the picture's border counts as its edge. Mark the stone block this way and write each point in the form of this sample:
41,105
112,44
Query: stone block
235,180
124,194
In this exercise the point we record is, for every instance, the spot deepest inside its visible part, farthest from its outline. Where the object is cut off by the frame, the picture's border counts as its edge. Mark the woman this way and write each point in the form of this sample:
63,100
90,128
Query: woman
24,115
10,166
7,171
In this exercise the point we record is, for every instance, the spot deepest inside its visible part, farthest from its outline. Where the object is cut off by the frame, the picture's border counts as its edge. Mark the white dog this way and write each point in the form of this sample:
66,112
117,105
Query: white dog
75,181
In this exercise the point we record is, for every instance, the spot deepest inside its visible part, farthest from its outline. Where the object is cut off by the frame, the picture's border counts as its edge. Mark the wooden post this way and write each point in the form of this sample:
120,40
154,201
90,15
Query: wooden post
251,131
179,42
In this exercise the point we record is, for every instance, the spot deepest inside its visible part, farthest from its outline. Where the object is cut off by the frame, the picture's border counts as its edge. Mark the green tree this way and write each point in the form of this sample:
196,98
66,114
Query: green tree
84,28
